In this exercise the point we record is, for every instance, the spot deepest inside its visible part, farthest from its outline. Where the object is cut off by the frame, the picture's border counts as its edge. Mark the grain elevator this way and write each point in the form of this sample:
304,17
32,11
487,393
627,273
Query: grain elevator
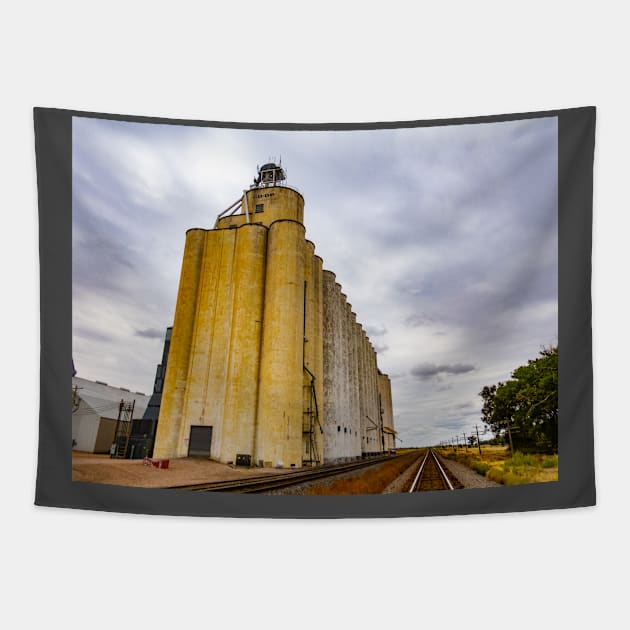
268,365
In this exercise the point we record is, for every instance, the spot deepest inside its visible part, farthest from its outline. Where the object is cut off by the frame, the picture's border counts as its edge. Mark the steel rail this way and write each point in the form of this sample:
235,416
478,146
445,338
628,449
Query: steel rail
283,480
420,470
441,471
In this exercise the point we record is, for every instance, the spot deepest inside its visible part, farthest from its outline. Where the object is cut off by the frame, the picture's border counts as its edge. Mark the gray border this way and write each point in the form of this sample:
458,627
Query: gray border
576,485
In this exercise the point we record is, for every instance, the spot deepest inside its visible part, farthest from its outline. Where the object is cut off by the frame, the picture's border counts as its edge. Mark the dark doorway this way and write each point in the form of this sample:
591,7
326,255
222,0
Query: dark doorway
200,440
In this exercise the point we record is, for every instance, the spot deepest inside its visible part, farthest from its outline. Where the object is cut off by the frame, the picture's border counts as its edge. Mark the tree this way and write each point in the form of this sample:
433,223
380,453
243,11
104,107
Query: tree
525,408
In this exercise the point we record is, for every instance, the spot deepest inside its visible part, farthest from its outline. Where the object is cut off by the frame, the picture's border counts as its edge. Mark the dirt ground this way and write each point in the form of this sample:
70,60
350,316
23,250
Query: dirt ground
132,472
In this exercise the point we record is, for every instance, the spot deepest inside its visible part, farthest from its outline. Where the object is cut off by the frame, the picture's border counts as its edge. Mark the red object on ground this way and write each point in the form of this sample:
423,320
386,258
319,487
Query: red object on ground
156,463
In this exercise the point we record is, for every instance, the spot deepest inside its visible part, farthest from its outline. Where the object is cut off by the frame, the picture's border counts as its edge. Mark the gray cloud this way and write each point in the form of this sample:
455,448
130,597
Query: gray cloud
420,319
443,387
446,237
95,334
427,371
375,331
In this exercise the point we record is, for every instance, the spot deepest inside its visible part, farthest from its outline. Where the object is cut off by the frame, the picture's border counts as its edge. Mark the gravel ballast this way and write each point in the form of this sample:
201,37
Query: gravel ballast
468,477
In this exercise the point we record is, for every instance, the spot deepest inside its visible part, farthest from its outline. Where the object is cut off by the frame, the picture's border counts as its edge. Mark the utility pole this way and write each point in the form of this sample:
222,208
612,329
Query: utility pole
465,443
478,442
510,436
75,398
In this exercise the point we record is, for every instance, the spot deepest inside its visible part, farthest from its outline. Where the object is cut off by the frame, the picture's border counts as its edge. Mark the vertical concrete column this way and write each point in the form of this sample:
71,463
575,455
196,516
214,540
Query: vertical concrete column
354,385
375,415
196,382
331,349
219,341
390,406
166,440
313,352
362,391
339,373
390,411
373,399
345,374
356,405
241,392
279,418
308,405
385,391
357,345
371,416
318,348
367,401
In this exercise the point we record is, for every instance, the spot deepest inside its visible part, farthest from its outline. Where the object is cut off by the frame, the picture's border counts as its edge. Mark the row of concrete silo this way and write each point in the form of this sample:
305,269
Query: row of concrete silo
353,418
267,362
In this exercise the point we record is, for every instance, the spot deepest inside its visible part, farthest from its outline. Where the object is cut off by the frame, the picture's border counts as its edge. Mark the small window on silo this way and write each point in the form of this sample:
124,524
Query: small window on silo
260,207
338,428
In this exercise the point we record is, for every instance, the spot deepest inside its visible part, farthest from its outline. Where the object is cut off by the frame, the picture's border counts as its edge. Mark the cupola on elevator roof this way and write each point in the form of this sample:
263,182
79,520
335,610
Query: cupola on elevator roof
270,174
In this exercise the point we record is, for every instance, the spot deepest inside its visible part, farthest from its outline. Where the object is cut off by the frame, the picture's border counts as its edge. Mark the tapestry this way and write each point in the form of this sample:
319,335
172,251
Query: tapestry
315,320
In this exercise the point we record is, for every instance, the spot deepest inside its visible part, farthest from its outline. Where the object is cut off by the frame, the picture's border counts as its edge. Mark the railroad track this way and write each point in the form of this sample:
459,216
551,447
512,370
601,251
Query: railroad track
283,480
433,476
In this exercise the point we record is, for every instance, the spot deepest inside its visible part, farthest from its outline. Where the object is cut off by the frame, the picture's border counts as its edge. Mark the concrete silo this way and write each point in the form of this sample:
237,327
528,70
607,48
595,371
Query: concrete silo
267,365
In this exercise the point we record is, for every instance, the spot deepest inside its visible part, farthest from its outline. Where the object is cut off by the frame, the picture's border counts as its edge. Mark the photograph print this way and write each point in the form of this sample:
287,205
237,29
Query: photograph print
315,311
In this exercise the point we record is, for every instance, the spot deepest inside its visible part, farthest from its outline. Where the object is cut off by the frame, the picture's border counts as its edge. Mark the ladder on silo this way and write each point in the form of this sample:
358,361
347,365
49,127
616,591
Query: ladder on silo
311,422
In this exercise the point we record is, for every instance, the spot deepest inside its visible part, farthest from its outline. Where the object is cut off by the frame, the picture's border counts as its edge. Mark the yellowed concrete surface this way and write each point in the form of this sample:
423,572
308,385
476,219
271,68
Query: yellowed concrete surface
242,337
279,202
280,411
241,392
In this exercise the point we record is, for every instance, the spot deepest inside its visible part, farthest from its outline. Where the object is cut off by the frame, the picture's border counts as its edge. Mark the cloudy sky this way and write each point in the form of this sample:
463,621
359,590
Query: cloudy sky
444,240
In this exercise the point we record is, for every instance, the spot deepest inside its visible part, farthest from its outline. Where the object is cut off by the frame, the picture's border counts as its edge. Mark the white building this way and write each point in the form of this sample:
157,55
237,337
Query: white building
95,407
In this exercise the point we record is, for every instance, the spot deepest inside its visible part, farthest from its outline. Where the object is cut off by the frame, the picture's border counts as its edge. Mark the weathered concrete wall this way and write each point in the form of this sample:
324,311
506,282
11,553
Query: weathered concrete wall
168,443
206,396
241,391
385,391
280,412
355,415
257,322
331,363
278,202
374,409
317,344
362,378
313,442
373,441
353,420
344,374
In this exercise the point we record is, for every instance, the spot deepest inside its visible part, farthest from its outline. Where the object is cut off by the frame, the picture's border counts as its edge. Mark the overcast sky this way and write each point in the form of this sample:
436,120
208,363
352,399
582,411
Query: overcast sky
444,240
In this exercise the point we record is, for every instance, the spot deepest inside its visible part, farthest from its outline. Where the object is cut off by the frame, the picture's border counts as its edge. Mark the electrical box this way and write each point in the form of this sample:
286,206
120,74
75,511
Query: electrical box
243,460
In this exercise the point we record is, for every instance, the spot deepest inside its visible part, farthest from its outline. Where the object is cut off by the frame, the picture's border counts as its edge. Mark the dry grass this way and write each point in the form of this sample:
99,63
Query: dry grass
534,468
372,480
496,464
